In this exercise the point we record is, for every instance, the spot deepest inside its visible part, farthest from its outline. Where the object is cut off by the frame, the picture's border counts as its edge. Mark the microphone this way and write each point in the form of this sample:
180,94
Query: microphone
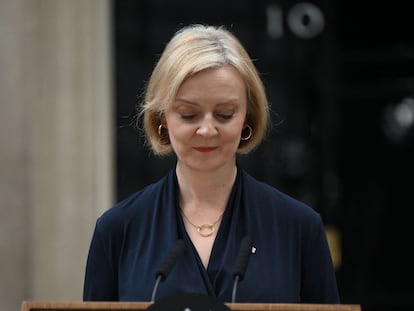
241,263
162,273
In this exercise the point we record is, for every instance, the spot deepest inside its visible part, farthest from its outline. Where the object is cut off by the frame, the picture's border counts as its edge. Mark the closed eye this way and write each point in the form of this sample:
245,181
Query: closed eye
224,116
219,116
188,116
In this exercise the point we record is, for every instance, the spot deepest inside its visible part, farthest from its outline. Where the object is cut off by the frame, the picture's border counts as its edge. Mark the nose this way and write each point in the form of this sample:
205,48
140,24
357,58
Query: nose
207,127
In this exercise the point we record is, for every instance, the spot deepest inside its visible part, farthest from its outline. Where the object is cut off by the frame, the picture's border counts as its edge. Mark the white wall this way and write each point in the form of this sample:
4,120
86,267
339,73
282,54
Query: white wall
56,137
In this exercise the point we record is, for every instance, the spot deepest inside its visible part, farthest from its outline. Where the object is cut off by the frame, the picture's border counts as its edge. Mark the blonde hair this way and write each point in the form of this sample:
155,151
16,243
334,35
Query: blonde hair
192,49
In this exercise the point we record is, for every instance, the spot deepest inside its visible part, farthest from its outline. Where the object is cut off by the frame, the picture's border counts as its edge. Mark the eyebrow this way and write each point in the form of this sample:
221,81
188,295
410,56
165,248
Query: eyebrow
185,101
230,101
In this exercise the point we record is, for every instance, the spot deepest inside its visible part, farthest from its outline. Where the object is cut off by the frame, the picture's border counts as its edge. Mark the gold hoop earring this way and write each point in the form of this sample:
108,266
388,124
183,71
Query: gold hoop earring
250,132
160,130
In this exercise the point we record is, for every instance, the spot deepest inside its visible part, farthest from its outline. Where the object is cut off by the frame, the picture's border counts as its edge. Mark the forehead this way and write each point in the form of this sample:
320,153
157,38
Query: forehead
218,81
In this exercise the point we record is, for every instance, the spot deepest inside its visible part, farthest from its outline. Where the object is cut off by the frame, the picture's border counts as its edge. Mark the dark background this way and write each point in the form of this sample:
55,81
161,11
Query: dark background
338,142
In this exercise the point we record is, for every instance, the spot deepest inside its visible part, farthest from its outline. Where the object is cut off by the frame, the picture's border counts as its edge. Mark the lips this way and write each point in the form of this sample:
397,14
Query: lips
205,149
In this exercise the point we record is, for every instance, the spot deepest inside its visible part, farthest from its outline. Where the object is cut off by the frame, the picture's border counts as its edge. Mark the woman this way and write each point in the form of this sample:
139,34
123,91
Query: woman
206,103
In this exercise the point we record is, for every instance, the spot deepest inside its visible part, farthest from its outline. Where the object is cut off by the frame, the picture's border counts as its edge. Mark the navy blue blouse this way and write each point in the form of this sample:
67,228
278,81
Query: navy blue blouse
291,262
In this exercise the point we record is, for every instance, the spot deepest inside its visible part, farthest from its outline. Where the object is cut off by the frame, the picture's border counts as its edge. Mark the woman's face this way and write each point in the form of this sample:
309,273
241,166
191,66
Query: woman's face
206,118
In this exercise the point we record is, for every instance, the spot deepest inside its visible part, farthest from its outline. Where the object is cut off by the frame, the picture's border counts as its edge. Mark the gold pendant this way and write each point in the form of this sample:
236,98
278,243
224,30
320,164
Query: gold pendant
206,227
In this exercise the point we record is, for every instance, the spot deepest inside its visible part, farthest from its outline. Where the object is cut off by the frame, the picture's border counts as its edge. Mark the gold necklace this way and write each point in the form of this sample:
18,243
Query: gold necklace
201,229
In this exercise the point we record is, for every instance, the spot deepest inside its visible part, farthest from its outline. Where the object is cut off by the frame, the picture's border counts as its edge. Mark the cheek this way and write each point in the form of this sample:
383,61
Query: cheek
179,132
237,128
232,134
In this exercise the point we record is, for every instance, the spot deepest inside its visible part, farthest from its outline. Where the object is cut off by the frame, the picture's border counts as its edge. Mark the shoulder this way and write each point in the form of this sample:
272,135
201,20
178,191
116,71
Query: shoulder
264,196
132,207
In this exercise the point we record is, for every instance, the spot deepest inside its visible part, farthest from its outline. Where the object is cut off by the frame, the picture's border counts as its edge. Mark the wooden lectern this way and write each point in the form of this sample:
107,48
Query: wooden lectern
140,306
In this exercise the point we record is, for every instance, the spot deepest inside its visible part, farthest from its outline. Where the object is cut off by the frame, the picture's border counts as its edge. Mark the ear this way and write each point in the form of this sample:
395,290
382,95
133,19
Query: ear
245,121
163,121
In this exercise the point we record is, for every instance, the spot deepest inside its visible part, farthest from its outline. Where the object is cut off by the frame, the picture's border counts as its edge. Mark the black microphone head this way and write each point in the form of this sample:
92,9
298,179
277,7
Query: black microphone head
188,301
171,260
243,257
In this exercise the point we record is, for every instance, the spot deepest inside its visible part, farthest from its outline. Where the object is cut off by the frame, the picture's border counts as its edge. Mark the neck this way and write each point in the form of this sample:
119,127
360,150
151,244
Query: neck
206,188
